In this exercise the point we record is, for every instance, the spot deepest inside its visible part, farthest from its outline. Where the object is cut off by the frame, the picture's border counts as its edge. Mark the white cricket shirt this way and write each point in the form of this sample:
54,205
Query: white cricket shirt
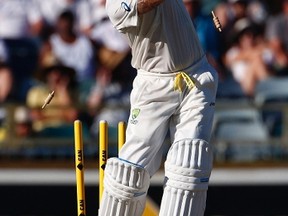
163,40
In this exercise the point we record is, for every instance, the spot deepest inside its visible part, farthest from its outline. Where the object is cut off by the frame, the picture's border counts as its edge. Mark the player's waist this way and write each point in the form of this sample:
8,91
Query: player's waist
193,68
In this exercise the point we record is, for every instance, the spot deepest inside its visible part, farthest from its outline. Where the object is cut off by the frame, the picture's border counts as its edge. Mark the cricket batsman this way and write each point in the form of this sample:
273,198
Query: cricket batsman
174,91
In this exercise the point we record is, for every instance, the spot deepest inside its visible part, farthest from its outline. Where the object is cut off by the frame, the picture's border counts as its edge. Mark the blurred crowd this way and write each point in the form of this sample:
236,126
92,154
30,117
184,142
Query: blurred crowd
71,47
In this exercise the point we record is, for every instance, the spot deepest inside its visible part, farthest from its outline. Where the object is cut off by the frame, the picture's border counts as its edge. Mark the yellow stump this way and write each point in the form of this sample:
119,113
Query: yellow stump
121,134
79,166
103,153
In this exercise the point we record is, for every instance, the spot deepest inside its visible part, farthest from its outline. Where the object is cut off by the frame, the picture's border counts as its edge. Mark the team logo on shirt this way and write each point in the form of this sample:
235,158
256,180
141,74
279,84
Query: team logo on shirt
125,6
134,115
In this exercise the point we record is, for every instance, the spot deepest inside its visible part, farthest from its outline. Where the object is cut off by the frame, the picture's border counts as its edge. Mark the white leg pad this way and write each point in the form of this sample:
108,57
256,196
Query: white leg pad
125,189
187,170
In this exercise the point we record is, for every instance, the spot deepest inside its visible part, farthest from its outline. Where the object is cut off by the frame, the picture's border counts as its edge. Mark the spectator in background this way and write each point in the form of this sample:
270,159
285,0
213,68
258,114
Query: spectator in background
277,31
20,26
51,10
204,26
228,13
257,12
109,98
6,82
113,46
63,108
208,35
3,51
238,9
98,11
19,18
248,58
23,122
6,76
69,48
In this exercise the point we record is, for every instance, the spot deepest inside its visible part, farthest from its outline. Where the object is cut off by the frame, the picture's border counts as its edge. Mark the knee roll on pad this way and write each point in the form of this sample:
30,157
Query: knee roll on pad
125,188
187,170
189,164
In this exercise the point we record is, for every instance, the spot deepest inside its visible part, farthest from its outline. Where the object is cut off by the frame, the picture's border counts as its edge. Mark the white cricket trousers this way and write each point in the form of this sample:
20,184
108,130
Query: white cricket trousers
156,107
